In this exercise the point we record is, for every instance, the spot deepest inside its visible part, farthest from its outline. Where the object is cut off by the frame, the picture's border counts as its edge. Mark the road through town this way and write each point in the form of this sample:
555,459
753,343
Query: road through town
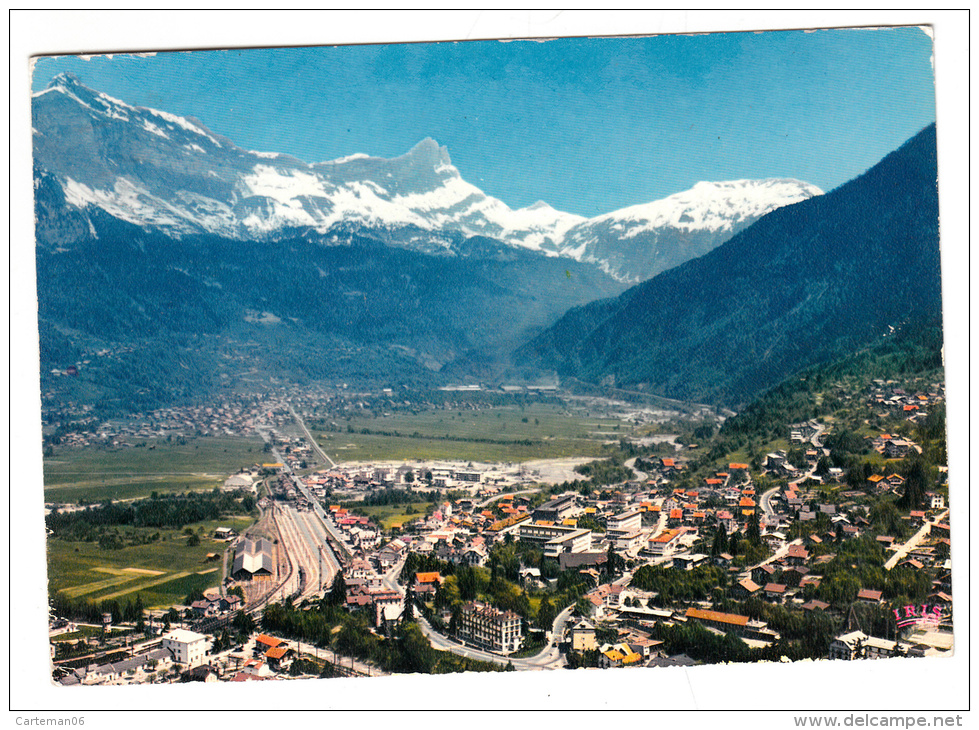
549,657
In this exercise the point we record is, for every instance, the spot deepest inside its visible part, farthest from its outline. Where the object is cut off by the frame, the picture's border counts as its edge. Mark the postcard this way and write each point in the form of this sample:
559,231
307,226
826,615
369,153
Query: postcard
362,362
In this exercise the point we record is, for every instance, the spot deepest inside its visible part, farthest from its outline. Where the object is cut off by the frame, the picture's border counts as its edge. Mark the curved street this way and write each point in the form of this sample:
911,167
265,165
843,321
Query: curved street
549,657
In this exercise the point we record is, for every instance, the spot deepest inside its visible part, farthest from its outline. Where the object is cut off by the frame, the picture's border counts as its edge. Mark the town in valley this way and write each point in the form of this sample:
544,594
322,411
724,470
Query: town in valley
671,548
319,399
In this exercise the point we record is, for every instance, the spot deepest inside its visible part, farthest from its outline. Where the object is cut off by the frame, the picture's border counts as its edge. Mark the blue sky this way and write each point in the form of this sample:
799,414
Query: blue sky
588,125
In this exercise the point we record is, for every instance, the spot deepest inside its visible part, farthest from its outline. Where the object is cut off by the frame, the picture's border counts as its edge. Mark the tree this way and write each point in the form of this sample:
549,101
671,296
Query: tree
734,540
546,614
243,623
193,540
615,563
338,591
753,531
915,483
468,583
455,619
720,541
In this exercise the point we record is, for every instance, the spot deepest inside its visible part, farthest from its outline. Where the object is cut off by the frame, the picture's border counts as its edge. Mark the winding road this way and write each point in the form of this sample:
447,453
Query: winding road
549,657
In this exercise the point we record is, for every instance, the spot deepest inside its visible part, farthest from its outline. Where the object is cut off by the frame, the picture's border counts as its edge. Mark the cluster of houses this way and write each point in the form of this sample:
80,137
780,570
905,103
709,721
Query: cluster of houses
888,398
185,655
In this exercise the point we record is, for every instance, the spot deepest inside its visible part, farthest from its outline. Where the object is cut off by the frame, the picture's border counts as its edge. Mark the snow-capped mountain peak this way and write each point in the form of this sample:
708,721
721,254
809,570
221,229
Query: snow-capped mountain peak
159,170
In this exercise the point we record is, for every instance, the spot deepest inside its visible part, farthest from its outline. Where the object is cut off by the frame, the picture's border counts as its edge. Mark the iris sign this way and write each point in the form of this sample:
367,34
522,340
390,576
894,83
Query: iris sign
925,614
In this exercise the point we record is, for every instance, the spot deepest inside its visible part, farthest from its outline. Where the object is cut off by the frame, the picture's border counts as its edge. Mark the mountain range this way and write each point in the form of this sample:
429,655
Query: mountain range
198,265
804,284
172,174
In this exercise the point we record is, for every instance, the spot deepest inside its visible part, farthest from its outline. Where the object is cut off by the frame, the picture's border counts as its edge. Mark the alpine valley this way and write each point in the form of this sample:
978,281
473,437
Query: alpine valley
199,265
193,266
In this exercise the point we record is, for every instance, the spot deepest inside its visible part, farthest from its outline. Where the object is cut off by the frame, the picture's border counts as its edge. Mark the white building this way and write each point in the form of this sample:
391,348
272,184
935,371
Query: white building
625,523
189,648
857,645
577,541
665,543
489,628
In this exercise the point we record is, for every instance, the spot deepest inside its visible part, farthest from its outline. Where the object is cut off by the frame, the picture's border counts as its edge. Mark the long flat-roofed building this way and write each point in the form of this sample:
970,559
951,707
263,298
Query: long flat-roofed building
625,523
576,541
253,560
556,539
556,510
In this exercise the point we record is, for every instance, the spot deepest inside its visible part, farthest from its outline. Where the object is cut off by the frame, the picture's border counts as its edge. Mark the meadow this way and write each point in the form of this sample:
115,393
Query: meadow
502,434
390,515
96,474
162,572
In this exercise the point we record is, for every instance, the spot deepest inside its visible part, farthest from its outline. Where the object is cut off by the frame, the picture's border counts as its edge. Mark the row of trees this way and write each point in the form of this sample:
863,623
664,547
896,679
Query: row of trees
329,626
166,511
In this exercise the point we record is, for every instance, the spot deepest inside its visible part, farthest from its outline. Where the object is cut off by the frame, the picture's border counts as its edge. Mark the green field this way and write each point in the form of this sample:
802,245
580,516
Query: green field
394,514
440,434
72,475
161,572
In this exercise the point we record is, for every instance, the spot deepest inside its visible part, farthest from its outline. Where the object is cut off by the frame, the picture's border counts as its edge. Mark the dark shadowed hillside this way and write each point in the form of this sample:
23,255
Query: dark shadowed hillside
804,284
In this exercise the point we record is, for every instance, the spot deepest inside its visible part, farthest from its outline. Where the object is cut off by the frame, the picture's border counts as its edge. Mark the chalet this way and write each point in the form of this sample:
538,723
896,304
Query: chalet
811,580
763,574
280,657
815,605
426,584
897,448
877,482
264,642
797,555
744,589
775,460
726,520
689,561
723,560
391,554
472,556
668,467
359,568
870,597
775,592
793,575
